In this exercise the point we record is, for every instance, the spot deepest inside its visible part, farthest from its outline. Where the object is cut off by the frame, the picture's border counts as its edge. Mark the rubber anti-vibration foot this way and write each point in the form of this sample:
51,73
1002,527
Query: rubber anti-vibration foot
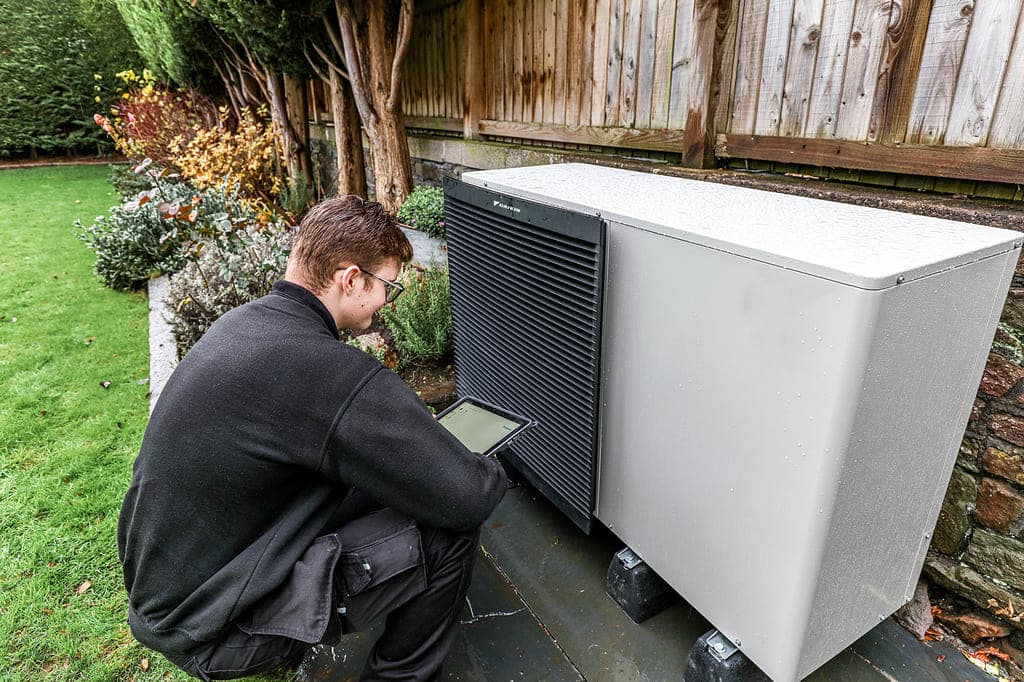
636,588
714,658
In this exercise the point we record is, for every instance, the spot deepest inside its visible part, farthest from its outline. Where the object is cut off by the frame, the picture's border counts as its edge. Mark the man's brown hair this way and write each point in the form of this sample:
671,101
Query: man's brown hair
346,230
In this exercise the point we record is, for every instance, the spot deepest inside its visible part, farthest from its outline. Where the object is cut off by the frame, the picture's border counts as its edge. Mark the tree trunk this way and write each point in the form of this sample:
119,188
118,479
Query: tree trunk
297,112
392,167
279,115
348,138
374,39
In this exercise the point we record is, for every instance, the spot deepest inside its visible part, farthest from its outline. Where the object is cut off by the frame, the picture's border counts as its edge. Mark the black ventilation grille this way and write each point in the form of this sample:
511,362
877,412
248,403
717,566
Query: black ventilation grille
526,305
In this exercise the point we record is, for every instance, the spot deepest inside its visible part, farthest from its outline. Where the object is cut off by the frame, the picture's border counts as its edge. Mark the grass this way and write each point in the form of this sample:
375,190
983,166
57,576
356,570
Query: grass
66,442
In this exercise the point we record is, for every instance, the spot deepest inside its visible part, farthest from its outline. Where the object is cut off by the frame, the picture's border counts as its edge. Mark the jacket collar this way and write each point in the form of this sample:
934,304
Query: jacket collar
306,297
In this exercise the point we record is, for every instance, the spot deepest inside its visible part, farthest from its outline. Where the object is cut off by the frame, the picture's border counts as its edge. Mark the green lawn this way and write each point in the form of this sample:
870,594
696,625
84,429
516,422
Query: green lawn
66,442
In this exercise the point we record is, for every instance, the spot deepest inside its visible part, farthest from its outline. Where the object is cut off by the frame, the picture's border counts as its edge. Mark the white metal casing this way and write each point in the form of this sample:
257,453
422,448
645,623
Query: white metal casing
779,417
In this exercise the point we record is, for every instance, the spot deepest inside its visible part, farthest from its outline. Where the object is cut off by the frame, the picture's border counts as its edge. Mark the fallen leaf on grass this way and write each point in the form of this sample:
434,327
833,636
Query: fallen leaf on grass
144,664
81,589
42,413
90,340
105,384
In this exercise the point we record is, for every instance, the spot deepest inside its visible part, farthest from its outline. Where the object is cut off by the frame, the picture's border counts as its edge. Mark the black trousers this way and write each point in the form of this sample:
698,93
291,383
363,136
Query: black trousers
415,577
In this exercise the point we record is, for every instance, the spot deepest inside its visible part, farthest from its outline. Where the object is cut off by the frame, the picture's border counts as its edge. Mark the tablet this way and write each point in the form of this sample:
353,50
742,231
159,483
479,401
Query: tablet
481,427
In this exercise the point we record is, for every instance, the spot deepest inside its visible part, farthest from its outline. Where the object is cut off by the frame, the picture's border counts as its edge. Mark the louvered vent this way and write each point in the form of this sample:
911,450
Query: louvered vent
526,304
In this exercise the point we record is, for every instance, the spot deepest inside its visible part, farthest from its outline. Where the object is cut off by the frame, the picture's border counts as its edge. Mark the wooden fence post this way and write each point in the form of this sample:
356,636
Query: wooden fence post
473,90
710,19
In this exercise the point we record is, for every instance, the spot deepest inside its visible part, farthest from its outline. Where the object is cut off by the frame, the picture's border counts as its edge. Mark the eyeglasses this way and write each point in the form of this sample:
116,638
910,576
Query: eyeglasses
394,288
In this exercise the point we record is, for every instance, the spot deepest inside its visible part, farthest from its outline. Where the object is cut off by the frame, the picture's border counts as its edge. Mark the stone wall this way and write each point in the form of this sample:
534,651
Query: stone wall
977,552
977,555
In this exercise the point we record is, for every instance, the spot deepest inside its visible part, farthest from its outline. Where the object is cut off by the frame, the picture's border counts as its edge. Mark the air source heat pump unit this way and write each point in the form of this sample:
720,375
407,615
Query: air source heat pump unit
762,395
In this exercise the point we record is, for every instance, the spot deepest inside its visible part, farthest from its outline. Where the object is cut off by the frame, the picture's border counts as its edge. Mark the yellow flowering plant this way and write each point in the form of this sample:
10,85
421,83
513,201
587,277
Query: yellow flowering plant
244,155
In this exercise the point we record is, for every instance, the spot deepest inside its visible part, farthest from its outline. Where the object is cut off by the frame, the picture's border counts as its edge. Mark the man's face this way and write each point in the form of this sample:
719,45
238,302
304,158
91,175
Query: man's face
369,295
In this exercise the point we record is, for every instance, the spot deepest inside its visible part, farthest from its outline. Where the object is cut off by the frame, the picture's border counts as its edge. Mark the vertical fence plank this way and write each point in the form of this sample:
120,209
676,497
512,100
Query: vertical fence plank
682,63
630,63
507,30
725,76
561,65
550,8
829,71
662,69
750,50
519,49
433,66
589,60
612,93
537,79
948,27
867,41
575,38
446,40
646,64
602,49
1008,120
459,39
492,58
988,48
803,53
773,67
901,64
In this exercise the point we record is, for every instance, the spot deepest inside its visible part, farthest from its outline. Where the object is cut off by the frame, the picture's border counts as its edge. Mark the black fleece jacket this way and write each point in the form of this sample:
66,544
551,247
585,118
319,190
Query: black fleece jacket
261,431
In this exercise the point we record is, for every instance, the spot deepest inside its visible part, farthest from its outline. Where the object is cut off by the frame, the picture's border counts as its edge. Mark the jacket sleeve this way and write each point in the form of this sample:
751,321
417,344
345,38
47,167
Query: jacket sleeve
387,443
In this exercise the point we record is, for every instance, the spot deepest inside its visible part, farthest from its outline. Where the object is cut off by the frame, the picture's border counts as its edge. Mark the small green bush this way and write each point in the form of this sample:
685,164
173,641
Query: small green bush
132,243
149,234
424,210
223,273
421,319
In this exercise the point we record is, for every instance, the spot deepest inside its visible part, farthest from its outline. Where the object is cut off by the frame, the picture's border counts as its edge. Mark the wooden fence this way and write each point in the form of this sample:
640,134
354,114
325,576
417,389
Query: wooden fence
925,87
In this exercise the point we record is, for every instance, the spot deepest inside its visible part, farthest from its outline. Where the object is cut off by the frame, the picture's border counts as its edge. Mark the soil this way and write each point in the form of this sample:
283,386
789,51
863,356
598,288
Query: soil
434,382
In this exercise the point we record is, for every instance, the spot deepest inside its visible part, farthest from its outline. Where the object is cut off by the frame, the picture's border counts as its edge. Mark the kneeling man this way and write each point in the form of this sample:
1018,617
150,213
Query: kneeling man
289,488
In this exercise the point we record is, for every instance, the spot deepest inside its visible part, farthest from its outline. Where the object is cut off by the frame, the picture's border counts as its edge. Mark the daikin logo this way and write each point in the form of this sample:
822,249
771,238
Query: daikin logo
506,207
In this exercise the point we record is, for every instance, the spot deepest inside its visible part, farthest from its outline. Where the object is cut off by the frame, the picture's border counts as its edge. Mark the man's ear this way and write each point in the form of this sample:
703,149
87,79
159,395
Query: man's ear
345,278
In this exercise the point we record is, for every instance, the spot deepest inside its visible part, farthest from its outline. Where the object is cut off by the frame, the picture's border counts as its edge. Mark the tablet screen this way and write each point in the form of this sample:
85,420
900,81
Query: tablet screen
478,428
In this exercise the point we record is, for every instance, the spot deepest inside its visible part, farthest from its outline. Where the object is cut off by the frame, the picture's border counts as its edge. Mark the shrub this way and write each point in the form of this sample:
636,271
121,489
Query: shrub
150,234
243,155
424,210
224,273
421,319
132,243
152,121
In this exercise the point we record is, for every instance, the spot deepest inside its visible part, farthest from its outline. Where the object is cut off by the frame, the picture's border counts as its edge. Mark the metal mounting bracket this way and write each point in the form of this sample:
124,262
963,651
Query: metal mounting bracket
720,647
628,558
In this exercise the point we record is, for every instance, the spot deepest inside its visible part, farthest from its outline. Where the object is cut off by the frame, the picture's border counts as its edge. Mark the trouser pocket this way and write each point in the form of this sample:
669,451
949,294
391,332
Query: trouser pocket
380,567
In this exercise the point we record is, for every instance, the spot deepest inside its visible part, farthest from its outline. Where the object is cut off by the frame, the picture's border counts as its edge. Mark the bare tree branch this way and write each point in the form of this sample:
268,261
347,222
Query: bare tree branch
355,71
404,38
327,60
